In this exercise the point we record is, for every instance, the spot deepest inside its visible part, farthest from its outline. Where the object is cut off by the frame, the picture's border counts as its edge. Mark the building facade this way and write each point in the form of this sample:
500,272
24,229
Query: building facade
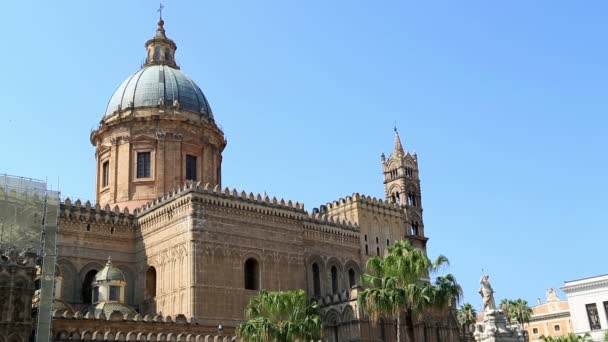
186,253
588,301
551,318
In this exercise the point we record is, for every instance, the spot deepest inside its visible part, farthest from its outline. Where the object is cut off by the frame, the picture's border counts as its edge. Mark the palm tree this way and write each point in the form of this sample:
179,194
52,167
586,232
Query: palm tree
506,306
466,315
281,316
570,338
520,311
398,283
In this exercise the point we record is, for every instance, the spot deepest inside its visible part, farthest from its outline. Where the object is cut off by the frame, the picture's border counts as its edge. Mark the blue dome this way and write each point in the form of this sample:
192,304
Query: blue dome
152,83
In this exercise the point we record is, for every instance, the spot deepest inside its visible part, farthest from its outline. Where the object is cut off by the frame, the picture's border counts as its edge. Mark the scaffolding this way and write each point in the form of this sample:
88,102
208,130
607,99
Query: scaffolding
28,223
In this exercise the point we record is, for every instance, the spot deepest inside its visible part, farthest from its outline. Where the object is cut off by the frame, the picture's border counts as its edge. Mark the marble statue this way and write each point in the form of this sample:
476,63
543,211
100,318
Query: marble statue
487,294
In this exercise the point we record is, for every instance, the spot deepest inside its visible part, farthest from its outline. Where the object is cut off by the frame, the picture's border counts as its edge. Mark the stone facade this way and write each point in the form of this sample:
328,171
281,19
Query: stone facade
195,251
551,318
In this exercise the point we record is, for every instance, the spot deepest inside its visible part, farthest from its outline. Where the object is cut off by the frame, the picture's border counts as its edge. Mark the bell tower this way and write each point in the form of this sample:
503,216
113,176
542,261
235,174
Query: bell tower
402,187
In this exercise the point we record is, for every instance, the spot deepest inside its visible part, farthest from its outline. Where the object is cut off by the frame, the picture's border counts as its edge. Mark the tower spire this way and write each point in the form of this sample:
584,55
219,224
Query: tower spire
398,146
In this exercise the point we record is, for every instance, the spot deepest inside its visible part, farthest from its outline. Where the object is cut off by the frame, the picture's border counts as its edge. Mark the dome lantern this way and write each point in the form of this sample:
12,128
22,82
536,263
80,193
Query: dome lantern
160,49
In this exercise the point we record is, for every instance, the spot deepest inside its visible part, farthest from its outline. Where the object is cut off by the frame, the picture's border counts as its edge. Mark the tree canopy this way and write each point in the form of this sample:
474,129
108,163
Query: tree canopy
282,316
399,283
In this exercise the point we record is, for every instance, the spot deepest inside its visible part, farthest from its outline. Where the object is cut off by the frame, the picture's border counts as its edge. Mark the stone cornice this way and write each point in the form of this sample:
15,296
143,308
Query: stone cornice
584,286
548,316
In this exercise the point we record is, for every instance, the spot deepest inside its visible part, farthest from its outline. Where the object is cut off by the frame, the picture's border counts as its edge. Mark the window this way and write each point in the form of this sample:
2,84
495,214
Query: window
593,316
366,250
95,294
167,55
352,280
156,54
143,164
556,327
190,167
115,293
415,231
365,237
150,283
105,174
387,242
535,331
376,239
334,279
378,251
606,308
252,279
316,280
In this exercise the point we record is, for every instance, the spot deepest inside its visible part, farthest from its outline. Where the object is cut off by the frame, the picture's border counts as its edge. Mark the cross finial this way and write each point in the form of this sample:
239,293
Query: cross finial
160,10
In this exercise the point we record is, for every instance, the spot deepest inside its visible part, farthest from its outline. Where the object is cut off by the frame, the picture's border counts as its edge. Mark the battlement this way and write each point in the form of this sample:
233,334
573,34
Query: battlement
358,198
227,193
128,327
95,214
332,225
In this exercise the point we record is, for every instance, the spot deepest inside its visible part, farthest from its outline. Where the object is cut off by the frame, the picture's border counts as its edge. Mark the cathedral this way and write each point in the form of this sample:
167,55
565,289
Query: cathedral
167,253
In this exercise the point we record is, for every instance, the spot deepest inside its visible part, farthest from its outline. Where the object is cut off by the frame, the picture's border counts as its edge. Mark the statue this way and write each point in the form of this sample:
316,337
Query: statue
494,327
487,294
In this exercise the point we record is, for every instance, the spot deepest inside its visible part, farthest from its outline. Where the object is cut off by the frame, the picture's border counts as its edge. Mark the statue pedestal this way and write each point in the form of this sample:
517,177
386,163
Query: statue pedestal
494,329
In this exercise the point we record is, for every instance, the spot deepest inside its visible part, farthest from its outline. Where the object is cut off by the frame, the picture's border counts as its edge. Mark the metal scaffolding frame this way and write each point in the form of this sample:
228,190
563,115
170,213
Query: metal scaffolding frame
28,222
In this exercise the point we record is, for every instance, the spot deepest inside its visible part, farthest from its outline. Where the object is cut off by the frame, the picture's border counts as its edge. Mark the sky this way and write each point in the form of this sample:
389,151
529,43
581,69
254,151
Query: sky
504,102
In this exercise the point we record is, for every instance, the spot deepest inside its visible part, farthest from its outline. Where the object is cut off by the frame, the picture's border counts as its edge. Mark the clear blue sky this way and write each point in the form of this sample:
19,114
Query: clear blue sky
505,103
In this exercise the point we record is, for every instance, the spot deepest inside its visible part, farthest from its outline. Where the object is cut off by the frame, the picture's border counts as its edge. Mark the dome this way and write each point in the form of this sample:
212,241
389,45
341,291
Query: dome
109,308
109,273
159,84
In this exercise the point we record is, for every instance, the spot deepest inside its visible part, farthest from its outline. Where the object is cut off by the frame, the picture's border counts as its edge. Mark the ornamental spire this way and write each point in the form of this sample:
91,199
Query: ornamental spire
398,146
160,49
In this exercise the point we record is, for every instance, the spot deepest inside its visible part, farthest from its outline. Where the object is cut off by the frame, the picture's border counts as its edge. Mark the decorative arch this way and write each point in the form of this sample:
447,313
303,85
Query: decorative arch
315,275
353,273
85,278
332,323
70,281
334,275
348,315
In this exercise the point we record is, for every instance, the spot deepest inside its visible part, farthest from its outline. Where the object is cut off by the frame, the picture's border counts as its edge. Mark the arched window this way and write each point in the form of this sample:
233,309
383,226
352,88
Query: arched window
334,279
87,290
352,280
167,55
252,278
150,283
316,280
156,54
410,199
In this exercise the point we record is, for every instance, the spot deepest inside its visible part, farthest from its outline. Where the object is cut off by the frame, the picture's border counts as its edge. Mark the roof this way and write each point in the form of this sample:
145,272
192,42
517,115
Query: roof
108,308
155,85
109,273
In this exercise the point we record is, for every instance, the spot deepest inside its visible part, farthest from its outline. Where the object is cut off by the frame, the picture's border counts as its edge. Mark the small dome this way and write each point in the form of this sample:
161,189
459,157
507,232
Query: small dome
154,85
108,308
109,273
